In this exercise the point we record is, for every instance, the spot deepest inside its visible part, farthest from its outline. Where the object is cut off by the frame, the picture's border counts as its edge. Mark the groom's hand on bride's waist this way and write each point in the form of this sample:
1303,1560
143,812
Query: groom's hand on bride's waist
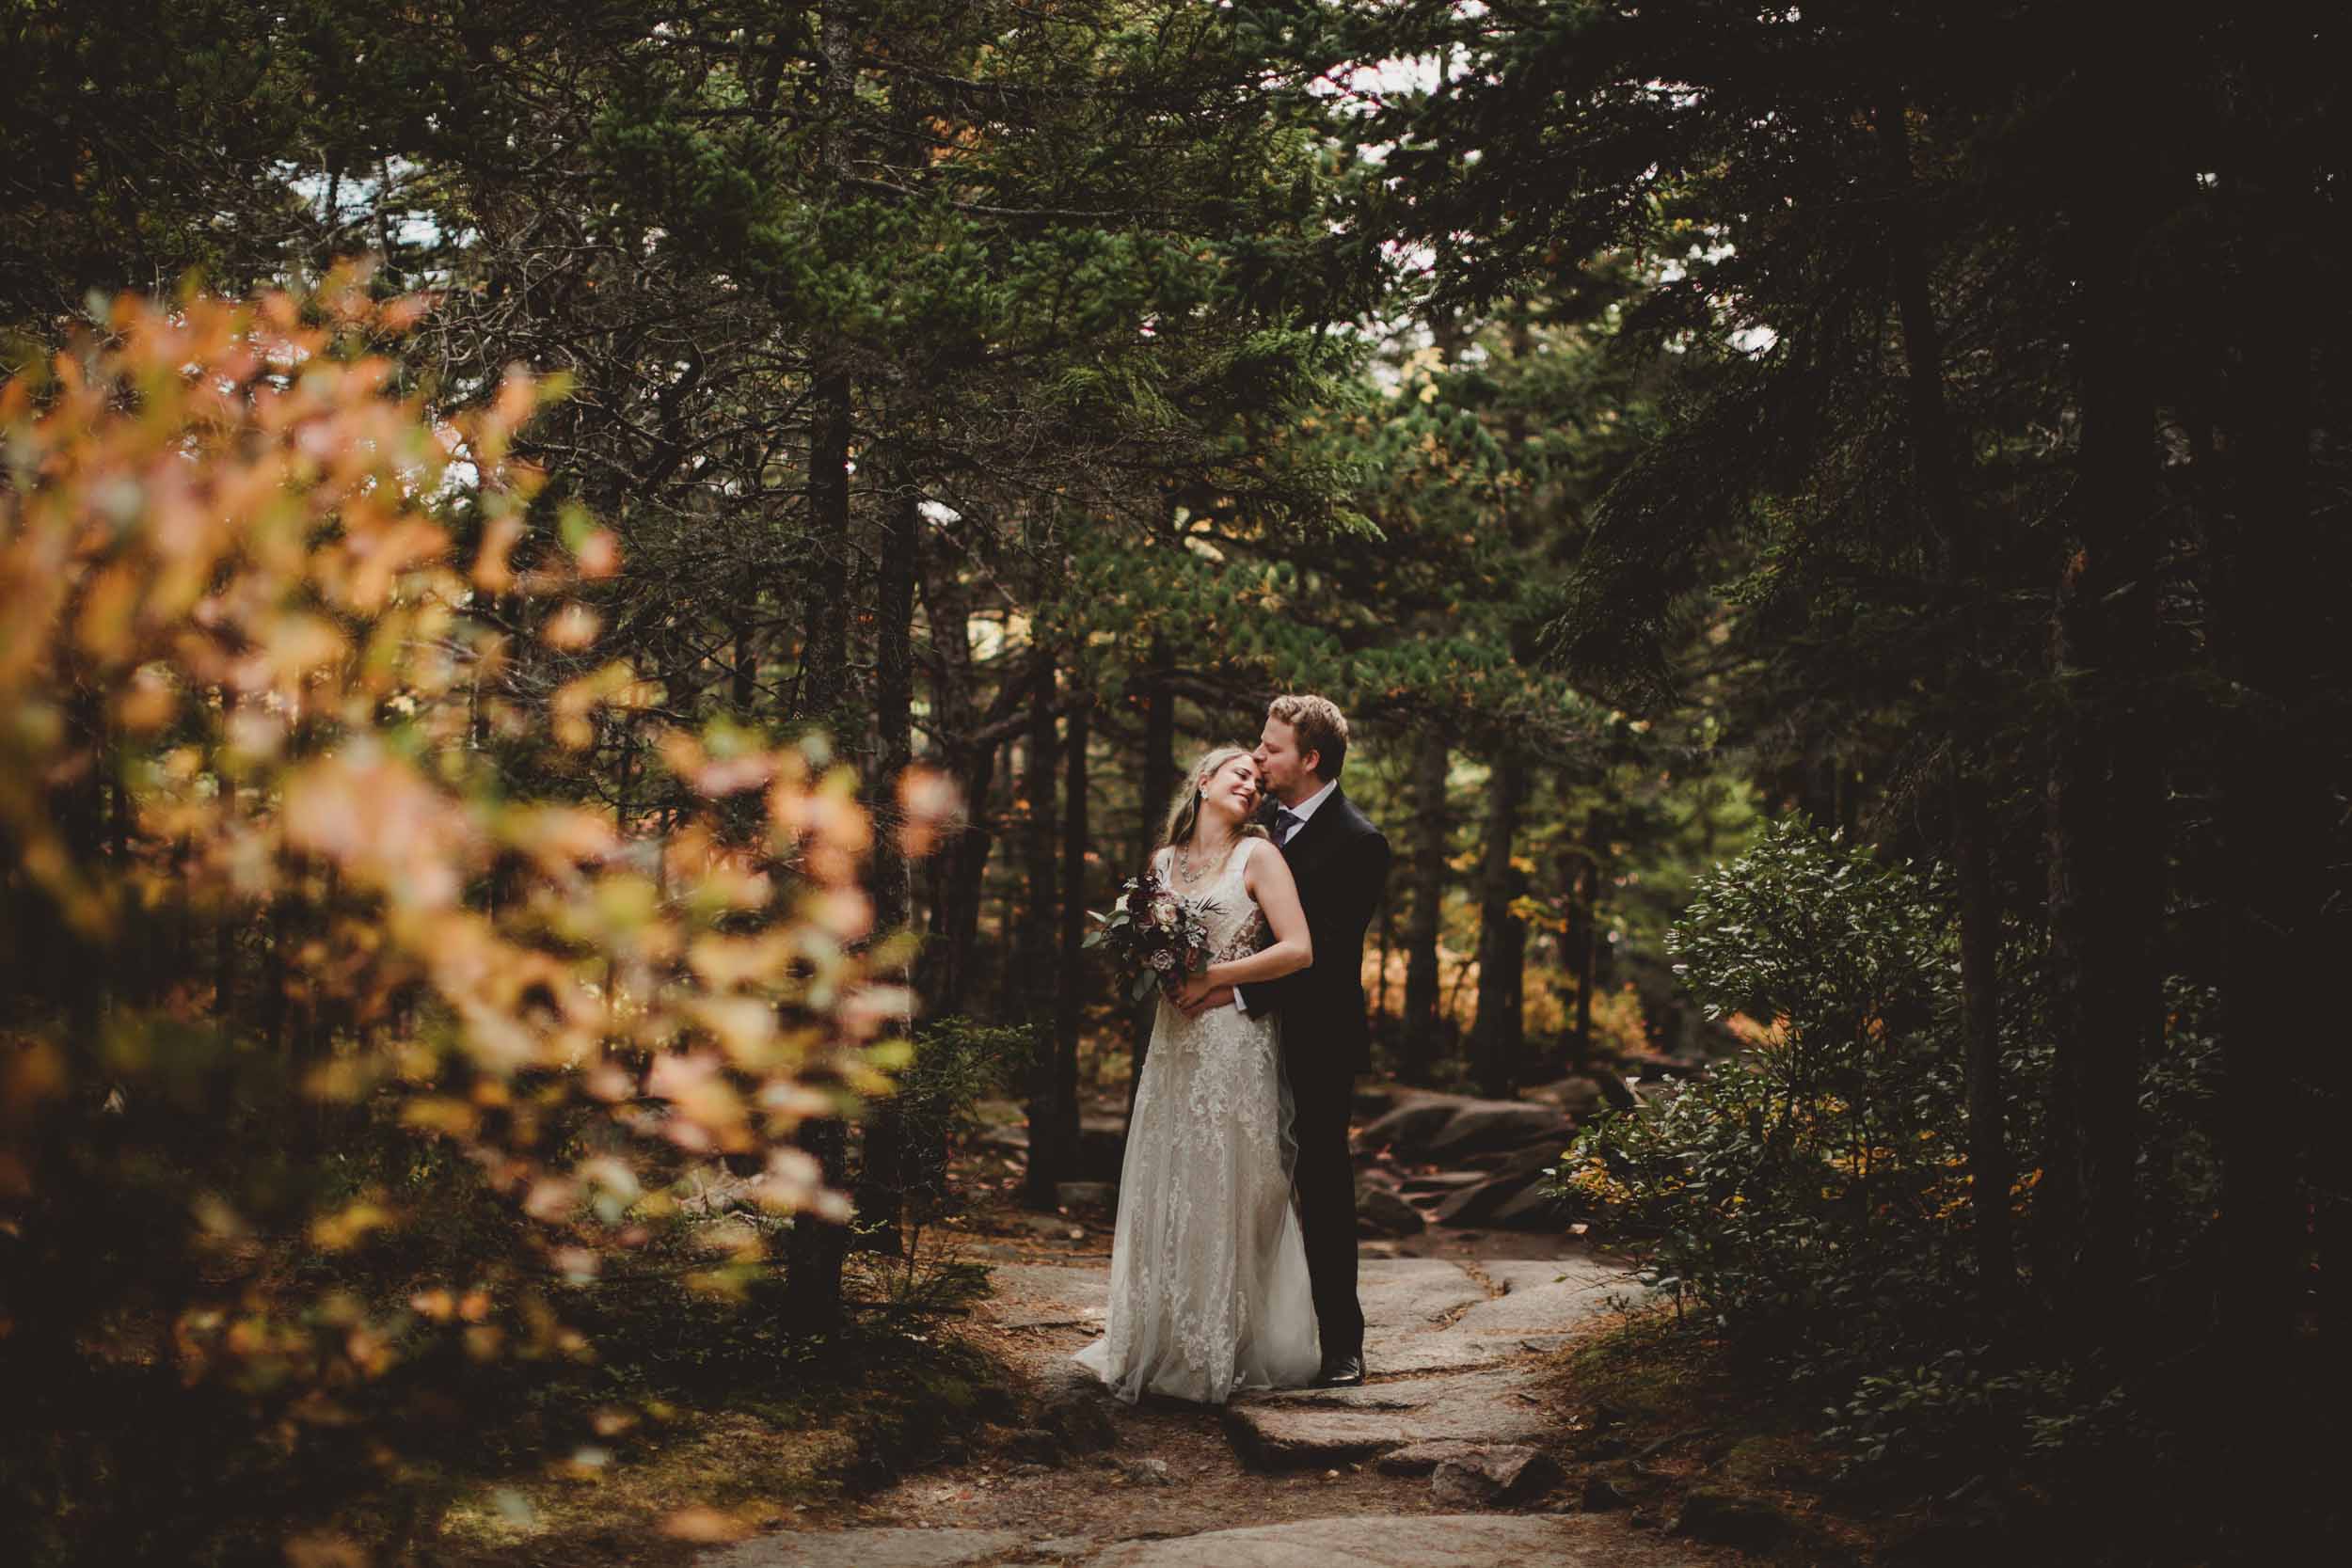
1215,997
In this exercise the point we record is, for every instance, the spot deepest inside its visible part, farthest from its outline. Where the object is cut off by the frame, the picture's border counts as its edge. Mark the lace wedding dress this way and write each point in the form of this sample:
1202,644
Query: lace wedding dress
1209,1288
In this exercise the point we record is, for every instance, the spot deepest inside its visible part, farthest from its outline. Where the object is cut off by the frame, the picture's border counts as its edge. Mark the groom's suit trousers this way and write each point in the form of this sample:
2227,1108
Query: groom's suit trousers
1325,1180
1341,862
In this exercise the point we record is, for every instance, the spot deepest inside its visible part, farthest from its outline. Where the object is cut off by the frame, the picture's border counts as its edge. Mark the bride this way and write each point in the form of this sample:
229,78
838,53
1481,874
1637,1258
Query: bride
1209,1290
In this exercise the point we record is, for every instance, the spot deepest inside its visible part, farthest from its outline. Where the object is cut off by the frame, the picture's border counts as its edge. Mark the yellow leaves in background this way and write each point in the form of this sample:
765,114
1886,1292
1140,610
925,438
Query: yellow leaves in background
929,803
573,627
348,1225
745,1030
492,573
702,1526
225,530
723,963
558,839
386,826
577,701
709,1112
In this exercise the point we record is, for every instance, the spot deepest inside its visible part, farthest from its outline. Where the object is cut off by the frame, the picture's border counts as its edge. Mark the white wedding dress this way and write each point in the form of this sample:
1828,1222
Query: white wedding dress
1208,1288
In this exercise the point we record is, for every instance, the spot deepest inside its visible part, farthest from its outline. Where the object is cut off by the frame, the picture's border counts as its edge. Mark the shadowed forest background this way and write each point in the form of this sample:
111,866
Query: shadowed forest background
620,669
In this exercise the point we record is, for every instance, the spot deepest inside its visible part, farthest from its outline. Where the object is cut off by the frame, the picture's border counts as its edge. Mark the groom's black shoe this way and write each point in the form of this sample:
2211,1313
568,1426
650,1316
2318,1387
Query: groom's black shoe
1342,1372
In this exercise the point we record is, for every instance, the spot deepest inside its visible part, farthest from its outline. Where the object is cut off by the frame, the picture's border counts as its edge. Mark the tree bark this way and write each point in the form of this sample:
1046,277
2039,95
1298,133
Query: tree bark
825,647
1935,453
1502,1029
745,679
2105,827
957,872
1052,1123
1421,1031
1071,970
882,1165
815,1250
1583,947
1159,791
2277,586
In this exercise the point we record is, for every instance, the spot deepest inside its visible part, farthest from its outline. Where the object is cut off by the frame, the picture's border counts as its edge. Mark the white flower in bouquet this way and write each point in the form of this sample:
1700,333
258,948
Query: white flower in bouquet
1164,960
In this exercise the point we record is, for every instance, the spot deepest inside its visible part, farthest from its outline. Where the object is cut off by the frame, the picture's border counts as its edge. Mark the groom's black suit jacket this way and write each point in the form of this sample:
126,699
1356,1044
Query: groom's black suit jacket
1339,861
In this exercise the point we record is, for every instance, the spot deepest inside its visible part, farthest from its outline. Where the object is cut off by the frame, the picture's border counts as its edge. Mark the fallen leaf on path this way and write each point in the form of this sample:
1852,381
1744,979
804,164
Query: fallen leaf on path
706,1524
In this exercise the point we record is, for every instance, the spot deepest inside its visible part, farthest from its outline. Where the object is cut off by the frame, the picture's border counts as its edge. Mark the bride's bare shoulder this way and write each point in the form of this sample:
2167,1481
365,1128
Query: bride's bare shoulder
1259,857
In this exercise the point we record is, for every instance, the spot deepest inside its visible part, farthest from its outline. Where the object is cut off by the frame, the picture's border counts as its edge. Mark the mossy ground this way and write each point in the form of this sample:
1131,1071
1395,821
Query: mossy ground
1656,1413
871,1405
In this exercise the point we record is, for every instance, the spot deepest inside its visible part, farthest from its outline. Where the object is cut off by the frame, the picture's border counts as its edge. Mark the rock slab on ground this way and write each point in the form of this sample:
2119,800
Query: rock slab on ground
1393,1541
1409,1126
1426,1315
1453,1127
865,1548
1148,1472
1078,1418
1323,1426
1418,1459
1380,1211
1492,1476
1541,1300
1512,1196
1575,1096
1495,1127
1042,1295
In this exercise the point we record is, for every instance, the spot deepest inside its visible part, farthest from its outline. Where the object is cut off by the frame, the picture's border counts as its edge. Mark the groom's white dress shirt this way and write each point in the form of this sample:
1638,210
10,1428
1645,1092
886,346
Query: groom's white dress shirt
1303,811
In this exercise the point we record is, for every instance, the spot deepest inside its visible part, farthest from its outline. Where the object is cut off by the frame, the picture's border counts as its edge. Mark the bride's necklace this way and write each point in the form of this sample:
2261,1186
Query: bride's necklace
1188,879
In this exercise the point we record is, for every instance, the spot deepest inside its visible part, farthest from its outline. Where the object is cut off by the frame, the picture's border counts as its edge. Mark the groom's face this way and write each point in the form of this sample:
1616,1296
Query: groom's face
1279,766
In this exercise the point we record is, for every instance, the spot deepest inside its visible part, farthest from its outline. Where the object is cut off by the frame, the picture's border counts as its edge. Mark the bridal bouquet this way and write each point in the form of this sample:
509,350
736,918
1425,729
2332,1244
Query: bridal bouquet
1153,934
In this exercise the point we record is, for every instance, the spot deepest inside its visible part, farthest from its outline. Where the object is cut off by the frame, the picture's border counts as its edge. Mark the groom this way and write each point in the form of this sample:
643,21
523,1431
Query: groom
1339,861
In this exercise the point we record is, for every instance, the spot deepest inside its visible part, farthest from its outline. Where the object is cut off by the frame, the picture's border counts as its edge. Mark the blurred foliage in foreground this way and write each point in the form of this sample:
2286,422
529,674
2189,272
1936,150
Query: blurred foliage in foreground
341,1047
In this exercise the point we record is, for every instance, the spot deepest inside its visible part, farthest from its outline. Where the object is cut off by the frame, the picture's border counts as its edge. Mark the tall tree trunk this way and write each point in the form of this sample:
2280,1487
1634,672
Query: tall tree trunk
2278,590
1422,1027
1502,1029
1053,1129
957,872
825,648
1934,454
825,608
1583,942
1071,969
963,868
882,1168
2104,828
815,1248
1158,792
743,686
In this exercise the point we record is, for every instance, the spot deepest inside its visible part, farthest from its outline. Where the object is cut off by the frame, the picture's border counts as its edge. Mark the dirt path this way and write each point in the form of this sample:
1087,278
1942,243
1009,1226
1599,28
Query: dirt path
1437,1462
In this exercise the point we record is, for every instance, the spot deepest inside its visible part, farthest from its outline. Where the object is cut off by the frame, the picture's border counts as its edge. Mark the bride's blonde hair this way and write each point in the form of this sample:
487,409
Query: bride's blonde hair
1185,814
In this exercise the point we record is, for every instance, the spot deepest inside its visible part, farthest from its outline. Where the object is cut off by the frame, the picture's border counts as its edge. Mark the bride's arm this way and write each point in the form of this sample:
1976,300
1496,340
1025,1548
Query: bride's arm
1268,879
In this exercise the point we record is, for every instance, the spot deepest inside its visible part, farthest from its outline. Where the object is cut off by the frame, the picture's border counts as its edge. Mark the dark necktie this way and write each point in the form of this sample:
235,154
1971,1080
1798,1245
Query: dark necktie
1286,823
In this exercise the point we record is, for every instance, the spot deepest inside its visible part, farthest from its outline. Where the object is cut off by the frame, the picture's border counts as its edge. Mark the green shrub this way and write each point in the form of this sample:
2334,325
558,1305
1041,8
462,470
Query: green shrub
1815,1177
1808,1198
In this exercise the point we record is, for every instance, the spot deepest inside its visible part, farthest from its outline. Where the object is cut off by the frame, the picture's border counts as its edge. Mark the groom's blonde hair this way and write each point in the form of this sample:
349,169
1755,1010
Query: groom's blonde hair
1320,728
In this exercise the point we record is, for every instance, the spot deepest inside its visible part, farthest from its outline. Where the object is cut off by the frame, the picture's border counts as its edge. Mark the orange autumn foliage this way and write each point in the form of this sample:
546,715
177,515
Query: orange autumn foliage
242,627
